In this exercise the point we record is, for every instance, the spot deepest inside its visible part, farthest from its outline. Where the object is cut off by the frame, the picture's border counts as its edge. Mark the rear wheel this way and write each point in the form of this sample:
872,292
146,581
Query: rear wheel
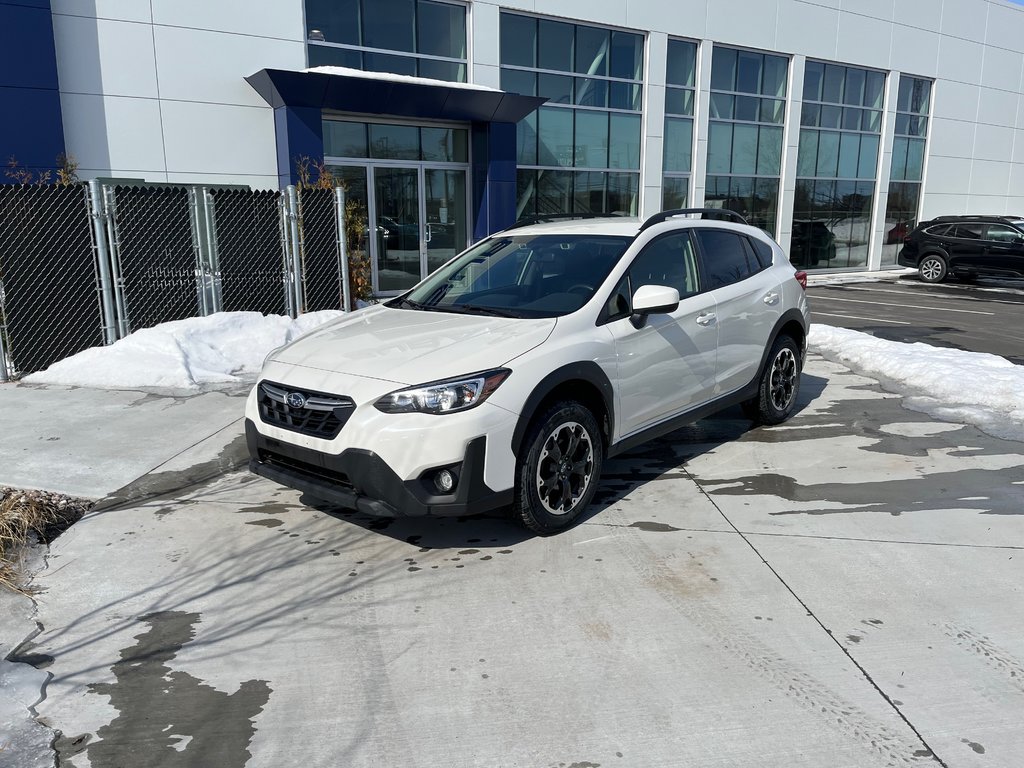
559,468
932,268
779,386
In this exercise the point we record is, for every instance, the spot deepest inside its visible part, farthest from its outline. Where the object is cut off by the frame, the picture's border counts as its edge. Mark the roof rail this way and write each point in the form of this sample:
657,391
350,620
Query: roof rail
976,217
540,218
706,213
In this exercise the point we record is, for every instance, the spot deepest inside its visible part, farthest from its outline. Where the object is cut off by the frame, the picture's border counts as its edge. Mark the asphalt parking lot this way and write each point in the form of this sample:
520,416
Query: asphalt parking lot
981,317
840,590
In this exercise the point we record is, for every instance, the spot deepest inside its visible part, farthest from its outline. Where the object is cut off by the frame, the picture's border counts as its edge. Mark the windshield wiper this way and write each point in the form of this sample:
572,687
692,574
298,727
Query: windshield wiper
410,304
476,309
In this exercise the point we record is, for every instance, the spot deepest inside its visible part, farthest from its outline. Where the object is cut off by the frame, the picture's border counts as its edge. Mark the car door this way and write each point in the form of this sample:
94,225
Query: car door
966,245
1004,250
668,364
748,297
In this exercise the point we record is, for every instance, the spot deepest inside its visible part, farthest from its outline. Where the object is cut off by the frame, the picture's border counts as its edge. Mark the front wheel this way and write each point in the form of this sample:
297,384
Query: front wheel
932,268
559,469
779,385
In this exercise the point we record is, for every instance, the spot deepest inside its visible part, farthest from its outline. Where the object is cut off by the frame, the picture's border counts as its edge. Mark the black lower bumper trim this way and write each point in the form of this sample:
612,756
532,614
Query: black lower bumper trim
362,480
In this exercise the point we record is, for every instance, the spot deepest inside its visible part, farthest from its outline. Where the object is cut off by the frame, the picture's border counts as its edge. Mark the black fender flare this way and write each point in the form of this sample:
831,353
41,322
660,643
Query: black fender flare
586,370
790,316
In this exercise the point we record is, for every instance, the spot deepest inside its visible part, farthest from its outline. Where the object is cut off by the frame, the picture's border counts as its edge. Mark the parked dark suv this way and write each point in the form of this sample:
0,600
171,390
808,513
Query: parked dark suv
966,246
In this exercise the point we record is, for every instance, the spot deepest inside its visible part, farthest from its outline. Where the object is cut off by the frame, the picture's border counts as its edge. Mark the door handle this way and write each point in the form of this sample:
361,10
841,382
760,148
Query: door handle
705,318
771,298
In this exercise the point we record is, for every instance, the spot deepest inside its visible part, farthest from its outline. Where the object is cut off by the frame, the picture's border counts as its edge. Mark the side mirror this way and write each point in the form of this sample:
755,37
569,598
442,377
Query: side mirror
653,300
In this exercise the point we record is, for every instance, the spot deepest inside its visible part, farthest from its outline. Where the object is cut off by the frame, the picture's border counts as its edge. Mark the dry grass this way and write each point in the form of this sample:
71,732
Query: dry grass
27,517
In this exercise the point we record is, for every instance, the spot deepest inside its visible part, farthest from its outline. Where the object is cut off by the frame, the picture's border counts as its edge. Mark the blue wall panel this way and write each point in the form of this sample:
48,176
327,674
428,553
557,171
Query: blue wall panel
31,130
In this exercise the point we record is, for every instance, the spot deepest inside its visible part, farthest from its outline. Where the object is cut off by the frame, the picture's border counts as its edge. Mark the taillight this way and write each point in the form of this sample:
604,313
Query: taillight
801,277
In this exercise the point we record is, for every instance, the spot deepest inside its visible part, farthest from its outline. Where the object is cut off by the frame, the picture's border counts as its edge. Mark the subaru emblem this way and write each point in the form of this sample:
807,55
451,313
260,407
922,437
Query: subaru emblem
296,400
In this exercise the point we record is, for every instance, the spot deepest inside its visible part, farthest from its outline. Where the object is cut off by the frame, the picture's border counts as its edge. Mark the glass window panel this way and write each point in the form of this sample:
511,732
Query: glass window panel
460,145
725,259
902,124
395,142
591,148
868,162
851,119
682,58
776,70
921,96
915,159
441,29
678,144
849,150
353,179
623,193
625,96
591,92
336,20
918,126
748,72
807,157
344,139
874,90
814,74
554,45
437,144
517,81
854,93
589,192
526,140
769,151
557,88
719,147
592,50
744,149
828,154
452,71
675,193
898,171
554,136
832,86
325,56
396,193
765,204
903,94
679,101
624,141
810,114
872,121
518,40
748,108
526,193
382,62
389,24
722,106
723,69
554,191
831,117
716,188
773,111
628,56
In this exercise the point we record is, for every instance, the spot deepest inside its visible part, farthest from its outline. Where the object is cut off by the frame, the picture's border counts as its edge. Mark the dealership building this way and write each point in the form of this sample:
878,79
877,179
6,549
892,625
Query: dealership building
833,124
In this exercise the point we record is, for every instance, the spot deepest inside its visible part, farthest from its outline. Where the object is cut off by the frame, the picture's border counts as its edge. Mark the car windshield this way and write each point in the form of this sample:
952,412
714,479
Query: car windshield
520,276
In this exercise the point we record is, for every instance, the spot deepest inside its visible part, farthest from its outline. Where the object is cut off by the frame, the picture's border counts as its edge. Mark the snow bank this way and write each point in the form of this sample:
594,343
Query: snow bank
198,353
984,390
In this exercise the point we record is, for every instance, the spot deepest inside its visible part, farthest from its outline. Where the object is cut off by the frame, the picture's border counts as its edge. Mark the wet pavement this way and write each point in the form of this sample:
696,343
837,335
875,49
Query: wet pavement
840,590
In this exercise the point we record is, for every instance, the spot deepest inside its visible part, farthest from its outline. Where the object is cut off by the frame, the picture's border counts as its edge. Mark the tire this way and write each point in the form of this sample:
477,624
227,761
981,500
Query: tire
779,385
933,268
551,490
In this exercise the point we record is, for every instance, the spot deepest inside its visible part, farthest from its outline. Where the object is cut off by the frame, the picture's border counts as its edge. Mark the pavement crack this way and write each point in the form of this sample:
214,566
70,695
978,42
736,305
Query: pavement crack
831,636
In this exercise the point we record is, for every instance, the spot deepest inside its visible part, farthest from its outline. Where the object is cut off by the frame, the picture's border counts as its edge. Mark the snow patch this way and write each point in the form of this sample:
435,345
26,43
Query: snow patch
390,77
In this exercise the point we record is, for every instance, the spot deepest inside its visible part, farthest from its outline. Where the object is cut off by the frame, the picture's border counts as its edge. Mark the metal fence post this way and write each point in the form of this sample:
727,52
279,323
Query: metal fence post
346,290
286,251
5,373
97,212
296,266
114,243
213,256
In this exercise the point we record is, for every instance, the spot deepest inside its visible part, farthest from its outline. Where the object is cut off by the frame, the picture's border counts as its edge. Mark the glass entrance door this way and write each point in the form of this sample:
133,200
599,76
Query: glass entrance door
446,226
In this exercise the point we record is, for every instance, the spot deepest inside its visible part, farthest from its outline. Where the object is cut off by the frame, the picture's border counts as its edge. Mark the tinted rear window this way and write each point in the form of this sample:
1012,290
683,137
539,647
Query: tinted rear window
725,257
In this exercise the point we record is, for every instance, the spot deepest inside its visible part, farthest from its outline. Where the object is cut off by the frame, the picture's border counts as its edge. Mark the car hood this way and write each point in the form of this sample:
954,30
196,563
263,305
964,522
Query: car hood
408,346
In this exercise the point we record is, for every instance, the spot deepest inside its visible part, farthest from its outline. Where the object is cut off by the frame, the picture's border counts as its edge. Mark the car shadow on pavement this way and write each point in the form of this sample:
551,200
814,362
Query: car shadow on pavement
620,477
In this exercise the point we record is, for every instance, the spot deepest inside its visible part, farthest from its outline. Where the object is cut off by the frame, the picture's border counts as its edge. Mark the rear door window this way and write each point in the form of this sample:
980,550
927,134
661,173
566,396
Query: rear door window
727,258
968,231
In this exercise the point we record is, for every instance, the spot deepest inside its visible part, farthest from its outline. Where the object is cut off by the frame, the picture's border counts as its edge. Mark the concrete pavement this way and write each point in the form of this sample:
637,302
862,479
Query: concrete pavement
841,590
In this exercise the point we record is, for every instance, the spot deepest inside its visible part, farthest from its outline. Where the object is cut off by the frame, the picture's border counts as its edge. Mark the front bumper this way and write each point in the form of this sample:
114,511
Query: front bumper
362,480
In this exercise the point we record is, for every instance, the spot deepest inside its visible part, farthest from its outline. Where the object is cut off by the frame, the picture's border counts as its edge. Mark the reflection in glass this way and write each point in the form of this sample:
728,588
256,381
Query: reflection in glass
748,72
451,71
591,93
682,58
385,62
592,50
395,142
831,223
719,147
396,196
517,81
554,136
389,24
678,101
627,55
441,29
678,144
518,40
556,88
675,192
591,149
589,193
623,193
343,139
326,56
756,199
337,21
624,141
526,140
723,69
555,45
446,227
554,191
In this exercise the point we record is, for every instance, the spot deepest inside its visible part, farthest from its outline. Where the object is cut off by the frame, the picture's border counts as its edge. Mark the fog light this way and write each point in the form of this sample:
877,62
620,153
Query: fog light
444,481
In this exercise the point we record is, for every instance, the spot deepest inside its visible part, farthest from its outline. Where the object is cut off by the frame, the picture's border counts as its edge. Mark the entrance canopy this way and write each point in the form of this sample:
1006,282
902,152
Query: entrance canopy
300,98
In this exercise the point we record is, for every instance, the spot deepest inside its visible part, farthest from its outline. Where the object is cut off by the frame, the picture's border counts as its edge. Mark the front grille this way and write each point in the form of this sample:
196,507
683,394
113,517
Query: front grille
310,413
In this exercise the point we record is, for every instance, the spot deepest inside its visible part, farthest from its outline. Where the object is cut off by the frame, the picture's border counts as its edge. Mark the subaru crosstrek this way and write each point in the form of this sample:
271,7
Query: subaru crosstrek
507,377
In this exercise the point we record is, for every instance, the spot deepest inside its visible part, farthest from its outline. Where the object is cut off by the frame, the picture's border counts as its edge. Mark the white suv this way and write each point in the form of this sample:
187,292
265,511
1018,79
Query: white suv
507,376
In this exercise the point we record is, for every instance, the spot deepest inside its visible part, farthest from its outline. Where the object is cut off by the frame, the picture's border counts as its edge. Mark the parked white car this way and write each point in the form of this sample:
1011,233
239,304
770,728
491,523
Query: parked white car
509,375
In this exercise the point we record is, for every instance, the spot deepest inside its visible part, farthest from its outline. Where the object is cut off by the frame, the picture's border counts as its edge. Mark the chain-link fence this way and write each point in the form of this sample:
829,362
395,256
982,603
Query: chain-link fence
86,265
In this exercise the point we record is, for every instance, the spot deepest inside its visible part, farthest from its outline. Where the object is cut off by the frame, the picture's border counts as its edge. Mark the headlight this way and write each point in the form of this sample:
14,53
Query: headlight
444,396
